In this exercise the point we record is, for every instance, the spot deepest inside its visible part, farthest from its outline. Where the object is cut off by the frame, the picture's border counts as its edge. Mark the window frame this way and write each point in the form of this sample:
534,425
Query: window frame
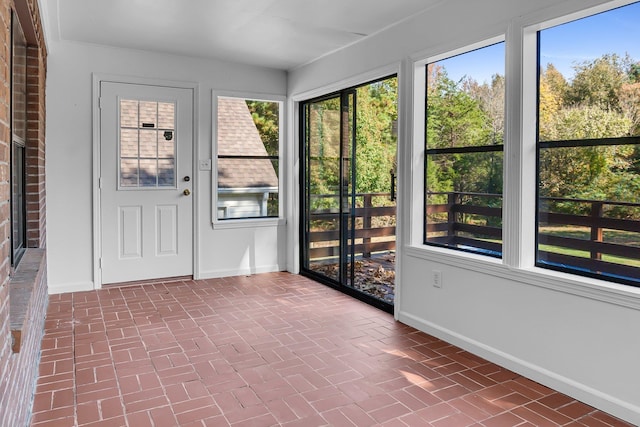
533,32
245,222
463,150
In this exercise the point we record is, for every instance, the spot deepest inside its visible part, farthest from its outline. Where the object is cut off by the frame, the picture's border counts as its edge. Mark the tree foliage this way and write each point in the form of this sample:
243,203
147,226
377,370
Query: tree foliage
376,136
464,114
552,91
598,83
601,101
266,117
323,152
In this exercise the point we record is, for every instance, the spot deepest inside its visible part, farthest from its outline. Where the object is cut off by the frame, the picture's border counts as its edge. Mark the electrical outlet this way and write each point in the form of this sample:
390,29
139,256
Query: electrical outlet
437,279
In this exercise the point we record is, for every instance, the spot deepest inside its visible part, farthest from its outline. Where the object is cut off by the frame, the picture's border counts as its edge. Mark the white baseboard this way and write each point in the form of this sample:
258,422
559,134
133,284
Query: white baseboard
215,274
605,402
63,288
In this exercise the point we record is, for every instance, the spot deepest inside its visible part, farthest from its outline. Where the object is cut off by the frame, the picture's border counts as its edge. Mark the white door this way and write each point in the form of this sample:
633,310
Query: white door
146,149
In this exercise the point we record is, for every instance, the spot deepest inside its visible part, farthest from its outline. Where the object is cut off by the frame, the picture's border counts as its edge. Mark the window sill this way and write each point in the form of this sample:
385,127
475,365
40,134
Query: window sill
248,223
600,290
21,289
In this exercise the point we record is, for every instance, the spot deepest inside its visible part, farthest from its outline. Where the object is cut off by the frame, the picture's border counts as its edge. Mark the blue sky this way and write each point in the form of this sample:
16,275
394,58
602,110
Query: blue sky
615,31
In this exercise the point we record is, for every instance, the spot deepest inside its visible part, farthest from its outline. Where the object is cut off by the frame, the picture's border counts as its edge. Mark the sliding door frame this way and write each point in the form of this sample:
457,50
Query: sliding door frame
348,114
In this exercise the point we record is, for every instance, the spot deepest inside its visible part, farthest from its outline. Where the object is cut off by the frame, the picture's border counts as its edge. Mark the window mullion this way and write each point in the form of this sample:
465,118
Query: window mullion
520,149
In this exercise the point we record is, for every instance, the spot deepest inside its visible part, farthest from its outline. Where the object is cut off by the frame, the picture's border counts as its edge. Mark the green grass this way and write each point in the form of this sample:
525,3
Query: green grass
625,238
633,262
618,237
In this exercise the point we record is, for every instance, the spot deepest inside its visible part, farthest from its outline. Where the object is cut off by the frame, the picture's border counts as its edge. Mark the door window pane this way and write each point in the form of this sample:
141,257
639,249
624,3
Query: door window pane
148,113
148,172
166,115
129,172
166,177
147,144
128,113
128,143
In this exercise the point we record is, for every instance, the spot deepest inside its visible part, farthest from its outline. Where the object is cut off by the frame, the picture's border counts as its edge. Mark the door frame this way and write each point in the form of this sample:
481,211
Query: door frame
97,79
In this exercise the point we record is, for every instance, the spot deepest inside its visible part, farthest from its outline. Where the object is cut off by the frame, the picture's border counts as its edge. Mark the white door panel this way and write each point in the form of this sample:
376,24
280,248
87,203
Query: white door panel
130,231
146,207
167,220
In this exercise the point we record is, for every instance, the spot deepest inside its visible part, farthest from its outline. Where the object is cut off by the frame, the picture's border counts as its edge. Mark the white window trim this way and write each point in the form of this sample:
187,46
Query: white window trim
248,222
518,260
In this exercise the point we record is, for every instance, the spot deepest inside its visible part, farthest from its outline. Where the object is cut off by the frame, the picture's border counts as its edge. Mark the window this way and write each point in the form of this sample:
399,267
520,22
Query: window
465,96
147,144
588,207
248,147
18,140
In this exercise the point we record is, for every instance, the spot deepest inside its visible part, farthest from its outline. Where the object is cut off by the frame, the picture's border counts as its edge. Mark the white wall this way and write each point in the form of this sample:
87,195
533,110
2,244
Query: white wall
577,335
69,172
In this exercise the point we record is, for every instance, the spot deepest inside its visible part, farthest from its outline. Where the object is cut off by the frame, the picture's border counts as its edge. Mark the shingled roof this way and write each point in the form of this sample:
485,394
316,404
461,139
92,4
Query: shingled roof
238,135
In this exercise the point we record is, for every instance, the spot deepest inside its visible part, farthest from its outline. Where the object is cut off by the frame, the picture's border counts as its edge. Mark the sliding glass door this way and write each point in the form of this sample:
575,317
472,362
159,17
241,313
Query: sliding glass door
348,181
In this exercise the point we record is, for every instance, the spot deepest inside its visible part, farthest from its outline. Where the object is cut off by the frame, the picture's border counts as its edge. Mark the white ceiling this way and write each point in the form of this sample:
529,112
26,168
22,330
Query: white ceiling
273,33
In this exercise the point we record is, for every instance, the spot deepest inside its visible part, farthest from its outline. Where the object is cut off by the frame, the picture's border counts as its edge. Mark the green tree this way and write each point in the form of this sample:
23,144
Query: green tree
552,91
630,105
490,98
574,172
598,82
601,101
634,72
454,117
376,137
463,114
323,146
266,117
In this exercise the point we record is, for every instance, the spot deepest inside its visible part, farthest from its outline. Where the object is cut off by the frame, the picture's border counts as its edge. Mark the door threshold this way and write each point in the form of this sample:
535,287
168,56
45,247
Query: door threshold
147,282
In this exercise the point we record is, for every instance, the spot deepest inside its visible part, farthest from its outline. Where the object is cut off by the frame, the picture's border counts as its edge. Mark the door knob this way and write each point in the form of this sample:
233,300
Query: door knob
186,192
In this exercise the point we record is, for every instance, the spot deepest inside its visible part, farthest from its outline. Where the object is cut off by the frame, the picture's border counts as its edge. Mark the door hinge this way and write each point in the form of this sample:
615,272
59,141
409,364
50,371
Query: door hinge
100,263
100,183
100,102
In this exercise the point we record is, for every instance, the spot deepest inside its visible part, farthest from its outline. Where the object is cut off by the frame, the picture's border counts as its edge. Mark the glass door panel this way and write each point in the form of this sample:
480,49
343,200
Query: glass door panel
375,189
322,184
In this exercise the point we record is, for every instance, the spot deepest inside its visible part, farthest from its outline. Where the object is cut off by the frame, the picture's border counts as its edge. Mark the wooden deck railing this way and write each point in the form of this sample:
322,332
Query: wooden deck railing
466,225
368,237
594,244
458,230
474,220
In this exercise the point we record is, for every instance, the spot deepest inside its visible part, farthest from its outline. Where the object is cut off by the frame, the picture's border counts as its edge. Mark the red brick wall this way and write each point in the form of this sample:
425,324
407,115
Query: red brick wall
18,371
36,235
5,334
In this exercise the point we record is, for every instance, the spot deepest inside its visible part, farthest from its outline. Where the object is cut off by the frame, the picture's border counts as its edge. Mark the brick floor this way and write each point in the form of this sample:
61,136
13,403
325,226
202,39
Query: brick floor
268,350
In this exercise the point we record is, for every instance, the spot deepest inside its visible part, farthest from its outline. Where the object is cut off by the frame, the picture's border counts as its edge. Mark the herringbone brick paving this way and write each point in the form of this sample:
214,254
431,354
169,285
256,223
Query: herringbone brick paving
268,350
